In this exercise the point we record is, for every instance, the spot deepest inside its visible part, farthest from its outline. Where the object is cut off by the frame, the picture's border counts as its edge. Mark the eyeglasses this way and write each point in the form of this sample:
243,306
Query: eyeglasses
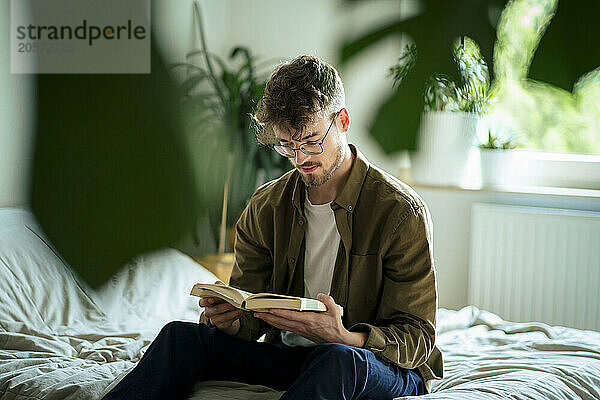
310,148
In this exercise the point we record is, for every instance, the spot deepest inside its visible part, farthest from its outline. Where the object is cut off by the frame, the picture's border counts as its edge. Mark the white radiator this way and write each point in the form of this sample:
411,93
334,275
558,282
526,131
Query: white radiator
536,264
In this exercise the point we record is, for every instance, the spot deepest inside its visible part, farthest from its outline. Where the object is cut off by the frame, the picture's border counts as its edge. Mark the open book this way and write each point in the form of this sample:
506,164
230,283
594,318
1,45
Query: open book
259,301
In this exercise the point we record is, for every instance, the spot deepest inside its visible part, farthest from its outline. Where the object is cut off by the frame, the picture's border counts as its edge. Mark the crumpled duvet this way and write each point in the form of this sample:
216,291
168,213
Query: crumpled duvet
59,339
486,357
79,360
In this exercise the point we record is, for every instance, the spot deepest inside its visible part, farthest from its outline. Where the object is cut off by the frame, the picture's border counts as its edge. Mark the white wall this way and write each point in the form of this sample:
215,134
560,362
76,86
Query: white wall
174,27
15,124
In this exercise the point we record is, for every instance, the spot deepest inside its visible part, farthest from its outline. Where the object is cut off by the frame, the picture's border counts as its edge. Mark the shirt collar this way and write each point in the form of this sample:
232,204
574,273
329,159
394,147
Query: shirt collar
348,197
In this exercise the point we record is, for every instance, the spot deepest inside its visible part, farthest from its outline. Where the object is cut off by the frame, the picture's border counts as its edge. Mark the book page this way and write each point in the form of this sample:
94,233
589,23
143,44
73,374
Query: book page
263,304
312,305
271,296
244,293
231,294
207,293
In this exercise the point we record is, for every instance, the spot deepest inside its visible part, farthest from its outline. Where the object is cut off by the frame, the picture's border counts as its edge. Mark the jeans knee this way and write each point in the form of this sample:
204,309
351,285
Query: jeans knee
175,329
335,354
332,348
172,326
337,365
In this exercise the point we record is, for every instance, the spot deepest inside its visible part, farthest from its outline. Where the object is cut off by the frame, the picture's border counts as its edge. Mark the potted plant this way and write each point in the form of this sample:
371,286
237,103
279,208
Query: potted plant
496,159
531,42
217,100
451,113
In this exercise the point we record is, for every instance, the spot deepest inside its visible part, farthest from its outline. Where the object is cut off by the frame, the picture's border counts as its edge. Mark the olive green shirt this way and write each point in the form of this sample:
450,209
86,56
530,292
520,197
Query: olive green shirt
384,274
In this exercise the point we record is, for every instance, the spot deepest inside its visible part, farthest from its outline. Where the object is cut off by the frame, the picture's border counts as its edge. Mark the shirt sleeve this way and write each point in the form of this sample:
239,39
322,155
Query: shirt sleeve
252,270
404,332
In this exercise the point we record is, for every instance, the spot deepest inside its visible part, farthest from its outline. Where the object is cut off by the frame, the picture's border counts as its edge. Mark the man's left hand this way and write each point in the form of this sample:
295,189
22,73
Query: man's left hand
319,327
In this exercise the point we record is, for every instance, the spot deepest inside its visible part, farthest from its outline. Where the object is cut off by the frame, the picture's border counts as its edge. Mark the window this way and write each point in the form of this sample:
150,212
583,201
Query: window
541,116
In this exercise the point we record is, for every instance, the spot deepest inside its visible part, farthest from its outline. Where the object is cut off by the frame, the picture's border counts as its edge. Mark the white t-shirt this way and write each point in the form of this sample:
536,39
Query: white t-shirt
322,240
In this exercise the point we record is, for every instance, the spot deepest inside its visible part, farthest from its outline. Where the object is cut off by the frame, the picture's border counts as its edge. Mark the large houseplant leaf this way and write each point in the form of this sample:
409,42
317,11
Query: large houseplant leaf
111,177
568,49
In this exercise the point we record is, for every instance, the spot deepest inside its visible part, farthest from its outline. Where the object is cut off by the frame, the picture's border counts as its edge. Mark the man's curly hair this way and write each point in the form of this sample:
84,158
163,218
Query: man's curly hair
297,91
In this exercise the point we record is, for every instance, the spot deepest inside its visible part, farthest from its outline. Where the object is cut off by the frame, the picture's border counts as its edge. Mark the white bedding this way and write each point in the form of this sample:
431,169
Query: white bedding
489,358
61,340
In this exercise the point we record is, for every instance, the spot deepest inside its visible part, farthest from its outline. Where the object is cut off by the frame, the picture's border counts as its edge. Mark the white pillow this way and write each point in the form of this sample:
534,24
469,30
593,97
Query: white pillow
38,288
154,289
41,291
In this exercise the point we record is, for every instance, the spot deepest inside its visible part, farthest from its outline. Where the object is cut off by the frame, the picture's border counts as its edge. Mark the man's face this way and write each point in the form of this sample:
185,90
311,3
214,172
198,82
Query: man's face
317,169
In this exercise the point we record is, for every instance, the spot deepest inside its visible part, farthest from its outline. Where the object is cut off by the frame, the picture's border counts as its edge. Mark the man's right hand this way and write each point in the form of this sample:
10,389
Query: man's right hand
223,315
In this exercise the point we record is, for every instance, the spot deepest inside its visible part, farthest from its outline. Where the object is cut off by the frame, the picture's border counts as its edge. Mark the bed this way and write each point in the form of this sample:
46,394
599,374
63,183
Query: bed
59,339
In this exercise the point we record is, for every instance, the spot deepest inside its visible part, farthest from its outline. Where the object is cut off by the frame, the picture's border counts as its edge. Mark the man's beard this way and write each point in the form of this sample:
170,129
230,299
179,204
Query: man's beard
312,180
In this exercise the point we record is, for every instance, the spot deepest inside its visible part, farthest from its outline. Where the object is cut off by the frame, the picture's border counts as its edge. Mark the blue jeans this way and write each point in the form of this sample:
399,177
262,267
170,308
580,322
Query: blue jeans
184,353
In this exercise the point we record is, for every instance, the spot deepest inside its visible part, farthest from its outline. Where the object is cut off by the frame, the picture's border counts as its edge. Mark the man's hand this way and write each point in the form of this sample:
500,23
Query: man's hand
320,327
222,314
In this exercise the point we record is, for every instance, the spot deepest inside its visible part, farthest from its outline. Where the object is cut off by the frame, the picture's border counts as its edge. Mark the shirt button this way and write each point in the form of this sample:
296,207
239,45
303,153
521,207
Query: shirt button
349,208
292,260
301,222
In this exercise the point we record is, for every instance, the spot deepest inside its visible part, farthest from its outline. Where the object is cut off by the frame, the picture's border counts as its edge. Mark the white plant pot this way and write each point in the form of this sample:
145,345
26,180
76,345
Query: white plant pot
496,166
445,140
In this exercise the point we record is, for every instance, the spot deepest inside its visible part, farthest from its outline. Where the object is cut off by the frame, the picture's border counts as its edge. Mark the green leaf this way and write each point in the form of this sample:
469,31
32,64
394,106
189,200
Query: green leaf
354,47
190,83
568,49
124,187
396,124
188,66
195,52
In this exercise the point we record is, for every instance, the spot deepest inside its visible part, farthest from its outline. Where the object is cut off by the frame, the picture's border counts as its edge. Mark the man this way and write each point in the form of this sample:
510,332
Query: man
334,228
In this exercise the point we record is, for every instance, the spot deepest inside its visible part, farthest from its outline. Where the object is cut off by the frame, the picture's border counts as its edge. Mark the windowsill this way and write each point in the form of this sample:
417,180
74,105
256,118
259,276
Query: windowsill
516,189
569,175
